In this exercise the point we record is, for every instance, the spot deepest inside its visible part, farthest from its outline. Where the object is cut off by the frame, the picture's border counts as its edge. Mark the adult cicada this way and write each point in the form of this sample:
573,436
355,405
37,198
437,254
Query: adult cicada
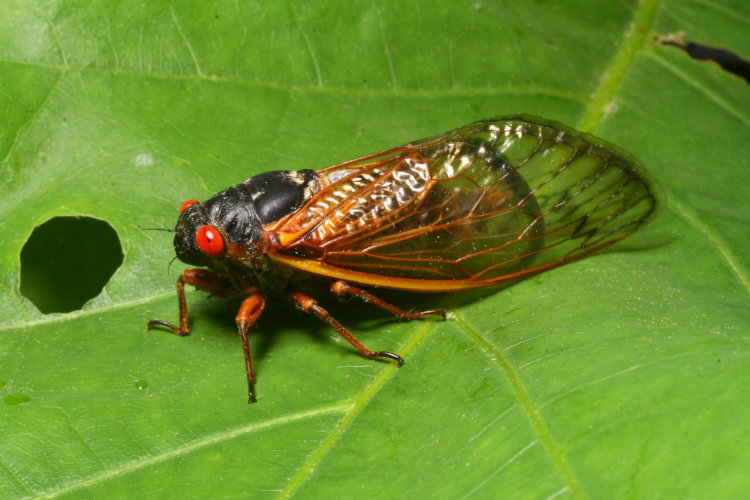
484,204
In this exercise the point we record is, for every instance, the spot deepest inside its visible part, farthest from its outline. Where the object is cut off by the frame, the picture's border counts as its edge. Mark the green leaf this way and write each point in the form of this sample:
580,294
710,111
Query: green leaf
624,374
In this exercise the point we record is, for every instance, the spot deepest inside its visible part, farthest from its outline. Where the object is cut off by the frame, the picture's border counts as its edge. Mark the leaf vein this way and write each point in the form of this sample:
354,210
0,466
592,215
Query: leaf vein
732,15
85,441
32,118
710,95
614,75
15,476
499,469
531,411
353,411
187,42
386,49
54,318
428,94
193,446
703,229
308,44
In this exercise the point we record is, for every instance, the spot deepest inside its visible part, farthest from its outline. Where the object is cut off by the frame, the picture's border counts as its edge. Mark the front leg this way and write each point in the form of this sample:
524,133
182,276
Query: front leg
202,279
250,310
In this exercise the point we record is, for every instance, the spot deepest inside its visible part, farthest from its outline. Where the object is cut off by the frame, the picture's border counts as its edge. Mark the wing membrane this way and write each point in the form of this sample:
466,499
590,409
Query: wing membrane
489,202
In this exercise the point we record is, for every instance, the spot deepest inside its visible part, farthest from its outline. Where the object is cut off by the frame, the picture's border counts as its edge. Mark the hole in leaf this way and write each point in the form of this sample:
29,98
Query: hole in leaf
67,261
726,59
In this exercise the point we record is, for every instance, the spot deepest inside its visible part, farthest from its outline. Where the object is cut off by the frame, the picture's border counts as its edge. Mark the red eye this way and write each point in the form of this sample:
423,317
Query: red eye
186,204
209,241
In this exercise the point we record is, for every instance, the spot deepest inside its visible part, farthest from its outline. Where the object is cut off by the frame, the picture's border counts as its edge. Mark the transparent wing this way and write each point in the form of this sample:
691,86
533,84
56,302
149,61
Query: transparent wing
489,202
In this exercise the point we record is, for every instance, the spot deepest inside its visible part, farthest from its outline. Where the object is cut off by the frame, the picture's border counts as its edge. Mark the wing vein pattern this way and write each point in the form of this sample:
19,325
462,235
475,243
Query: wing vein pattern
493,201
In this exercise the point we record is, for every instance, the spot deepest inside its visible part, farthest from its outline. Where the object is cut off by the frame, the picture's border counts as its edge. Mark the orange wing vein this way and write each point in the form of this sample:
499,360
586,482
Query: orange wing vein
490,202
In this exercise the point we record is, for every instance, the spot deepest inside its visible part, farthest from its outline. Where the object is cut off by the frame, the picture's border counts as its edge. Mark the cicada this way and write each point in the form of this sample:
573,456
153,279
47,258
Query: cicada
484,204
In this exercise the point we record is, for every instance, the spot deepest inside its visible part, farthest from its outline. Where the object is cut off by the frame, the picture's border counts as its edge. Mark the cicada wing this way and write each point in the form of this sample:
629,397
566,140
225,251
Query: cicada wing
489,202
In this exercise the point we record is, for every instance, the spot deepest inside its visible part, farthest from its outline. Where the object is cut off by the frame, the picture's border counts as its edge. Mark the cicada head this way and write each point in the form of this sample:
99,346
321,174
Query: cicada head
229,225
208,231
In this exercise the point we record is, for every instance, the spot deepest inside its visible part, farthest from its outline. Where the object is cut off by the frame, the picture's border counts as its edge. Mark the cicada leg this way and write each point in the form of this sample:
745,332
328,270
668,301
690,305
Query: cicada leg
208,281
308,304
342,288
201,279
250,310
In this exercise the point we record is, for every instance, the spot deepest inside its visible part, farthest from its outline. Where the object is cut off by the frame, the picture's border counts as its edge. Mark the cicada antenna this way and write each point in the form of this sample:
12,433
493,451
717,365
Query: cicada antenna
169,267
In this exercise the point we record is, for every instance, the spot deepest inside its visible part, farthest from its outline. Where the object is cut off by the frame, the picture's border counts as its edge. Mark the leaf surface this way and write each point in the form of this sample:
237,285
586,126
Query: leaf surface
624,374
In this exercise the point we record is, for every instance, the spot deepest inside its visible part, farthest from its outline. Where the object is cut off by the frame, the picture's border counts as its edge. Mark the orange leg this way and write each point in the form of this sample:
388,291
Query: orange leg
308,304
250,310
208,281
342,288
201,279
